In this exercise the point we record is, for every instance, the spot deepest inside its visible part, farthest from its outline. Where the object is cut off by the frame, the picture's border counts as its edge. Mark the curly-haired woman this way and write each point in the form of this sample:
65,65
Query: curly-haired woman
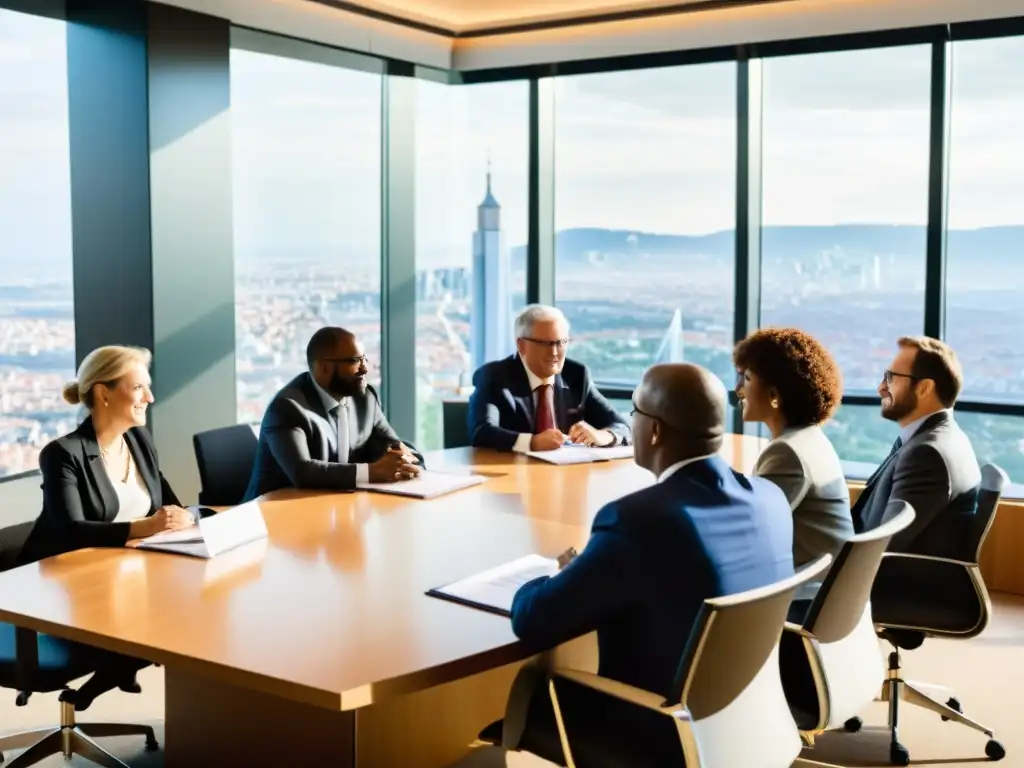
789,381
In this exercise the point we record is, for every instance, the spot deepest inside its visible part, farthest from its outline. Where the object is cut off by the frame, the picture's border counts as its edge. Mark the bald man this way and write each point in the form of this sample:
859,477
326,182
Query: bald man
702,530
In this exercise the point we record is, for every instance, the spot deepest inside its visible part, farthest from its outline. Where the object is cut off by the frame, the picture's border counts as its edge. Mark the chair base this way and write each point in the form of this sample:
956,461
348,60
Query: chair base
930,697
72,739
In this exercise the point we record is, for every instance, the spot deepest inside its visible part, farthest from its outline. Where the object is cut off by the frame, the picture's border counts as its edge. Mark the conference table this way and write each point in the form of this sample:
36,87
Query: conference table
318,645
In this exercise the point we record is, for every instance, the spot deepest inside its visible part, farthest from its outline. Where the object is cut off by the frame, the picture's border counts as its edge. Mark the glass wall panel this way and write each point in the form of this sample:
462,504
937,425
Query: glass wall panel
307,215
37,323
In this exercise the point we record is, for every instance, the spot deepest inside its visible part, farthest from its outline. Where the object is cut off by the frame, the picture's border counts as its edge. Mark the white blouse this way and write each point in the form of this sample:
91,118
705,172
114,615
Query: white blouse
133,497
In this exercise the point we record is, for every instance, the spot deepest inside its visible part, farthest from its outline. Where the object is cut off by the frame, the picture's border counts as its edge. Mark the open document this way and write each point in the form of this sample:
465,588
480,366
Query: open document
212,535
494,589
581,454
426,485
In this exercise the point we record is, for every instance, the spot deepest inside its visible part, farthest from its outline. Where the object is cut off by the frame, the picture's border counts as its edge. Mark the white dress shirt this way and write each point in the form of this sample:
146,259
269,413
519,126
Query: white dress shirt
133,499
341,423
669,471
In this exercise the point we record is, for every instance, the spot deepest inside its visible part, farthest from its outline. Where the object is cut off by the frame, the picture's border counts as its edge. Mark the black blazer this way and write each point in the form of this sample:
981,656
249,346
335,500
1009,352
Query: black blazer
297,441
937,473
501,406
79,501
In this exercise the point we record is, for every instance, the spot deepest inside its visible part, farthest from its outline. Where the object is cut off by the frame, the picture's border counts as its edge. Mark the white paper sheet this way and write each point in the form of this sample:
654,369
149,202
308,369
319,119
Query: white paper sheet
213,535
496,587
581,454
426,485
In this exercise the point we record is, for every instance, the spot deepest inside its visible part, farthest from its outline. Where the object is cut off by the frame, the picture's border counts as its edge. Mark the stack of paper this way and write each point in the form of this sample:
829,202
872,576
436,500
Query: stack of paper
213,535
581,454
426,485
494,589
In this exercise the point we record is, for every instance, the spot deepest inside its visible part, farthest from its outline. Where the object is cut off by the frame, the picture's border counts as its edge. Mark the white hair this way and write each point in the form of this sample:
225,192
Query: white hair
537,313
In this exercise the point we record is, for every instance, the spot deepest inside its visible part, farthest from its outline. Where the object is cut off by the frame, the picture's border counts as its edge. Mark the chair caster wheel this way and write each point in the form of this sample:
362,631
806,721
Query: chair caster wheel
899,755
152,745
955,705
994,750
853,725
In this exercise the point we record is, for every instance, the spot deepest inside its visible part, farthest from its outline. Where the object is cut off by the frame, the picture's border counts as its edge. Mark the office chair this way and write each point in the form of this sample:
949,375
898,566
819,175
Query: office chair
727,706
831,665
943,597
35,663
225,457
455,414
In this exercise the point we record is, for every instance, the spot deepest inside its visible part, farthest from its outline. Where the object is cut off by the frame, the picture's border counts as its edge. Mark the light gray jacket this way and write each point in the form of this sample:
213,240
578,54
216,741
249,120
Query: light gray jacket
803,463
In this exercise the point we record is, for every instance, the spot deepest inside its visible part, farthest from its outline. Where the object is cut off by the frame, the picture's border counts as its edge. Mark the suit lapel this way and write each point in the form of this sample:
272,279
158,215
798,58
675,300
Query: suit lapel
520,390
92,461
562,394
328,427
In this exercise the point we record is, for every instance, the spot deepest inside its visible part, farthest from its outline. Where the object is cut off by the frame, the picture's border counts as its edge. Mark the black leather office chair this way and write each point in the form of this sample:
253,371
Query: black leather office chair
456,423
937,597
225,457
35,663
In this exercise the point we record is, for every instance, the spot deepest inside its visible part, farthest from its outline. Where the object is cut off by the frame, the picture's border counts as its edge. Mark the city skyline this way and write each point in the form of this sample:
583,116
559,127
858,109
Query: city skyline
644,209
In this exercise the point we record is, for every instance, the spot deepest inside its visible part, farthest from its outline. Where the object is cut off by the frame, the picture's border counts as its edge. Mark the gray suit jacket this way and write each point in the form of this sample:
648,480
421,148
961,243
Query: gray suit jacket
298,441
803,463
937,473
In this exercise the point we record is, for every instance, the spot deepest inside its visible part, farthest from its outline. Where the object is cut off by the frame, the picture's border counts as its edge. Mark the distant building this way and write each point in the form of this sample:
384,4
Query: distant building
490,334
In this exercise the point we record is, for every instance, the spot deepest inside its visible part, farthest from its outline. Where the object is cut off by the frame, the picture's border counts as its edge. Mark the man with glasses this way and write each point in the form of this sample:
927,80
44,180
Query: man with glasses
537,400
932,465
326,429
701,530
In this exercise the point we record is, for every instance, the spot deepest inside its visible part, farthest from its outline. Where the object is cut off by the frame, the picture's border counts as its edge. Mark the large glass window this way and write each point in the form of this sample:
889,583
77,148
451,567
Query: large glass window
645,195
306,170
472,160
37,326
985,271
845,201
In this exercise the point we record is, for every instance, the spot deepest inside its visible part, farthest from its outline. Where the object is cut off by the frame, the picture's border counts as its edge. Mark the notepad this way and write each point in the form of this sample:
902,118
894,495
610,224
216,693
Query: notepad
494,589
426,485
212,535
581,454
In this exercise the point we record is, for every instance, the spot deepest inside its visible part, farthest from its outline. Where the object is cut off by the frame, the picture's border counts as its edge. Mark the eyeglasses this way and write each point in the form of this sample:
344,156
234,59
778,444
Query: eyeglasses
557,343
888,376
636,410
356,360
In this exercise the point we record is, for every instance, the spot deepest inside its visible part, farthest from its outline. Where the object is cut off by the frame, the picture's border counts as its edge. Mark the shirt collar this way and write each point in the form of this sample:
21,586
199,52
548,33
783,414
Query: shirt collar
910,430
679,465
535,380
329,400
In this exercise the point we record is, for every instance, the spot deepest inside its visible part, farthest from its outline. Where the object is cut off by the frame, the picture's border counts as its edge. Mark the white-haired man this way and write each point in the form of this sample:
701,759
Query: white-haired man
537,400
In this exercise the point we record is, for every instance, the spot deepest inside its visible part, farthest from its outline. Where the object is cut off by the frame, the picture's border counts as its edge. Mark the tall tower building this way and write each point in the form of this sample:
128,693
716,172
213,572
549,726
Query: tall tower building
490,335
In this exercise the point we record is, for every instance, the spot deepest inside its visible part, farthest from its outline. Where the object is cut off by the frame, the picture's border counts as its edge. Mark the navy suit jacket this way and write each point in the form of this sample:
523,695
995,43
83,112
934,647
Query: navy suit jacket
501,406
653,557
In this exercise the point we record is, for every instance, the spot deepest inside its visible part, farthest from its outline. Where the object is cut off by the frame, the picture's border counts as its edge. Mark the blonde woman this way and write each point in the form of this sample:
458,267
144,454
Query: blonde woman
102,483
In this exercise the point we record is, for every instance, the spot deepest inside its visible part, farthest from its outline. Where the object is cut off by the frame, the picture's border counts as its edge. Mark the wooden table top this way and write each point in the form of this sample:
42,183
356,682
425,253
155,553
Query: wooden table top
330,609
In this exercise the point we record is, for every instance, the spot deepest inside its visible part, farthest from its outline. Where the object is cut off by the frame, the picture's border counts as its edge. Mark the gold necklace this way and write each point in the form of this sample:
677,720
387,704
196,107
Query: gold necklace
120,452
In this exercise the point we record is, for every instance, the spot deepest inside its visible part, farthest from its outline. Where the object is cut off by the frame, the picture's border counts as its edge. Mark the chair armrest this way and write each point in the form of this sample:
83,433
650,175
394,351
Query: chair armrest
927,558
798,629
624,692
26,651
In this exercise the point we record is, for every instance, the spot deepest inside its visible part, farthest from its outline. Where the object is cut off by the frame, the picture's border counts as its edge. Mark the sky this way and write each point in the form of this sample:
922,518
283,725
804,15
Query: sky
845,141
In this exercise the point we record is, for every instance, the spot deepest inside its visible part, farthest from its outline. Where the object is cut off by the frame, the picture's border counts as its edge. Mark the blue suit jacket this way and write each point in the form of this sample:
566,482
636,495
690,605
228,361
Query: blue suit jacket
653,557
501,406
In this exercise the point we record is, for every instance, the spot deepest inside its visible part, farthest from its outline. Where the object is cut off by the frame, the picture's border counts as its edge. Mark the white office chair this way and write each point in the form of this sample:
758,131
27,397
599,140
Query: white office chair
832,667
727,704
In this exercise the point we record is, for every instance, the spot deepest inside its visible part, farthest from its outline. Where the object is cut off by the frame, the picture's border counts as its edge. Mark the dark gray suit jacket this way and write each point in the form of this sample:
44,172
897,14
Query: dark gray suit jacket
937,473
803,463
297,447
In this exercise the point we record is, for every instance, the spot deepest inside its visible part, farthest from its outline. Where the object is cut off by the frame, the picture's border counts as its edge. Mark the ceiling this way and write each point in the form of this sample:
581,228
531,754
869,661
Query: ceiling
474,16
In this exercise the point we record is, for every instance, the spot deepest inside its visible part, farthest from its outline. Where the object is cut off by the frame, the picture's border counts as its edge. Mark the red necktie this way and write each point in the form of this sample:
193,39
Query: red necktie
545,414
